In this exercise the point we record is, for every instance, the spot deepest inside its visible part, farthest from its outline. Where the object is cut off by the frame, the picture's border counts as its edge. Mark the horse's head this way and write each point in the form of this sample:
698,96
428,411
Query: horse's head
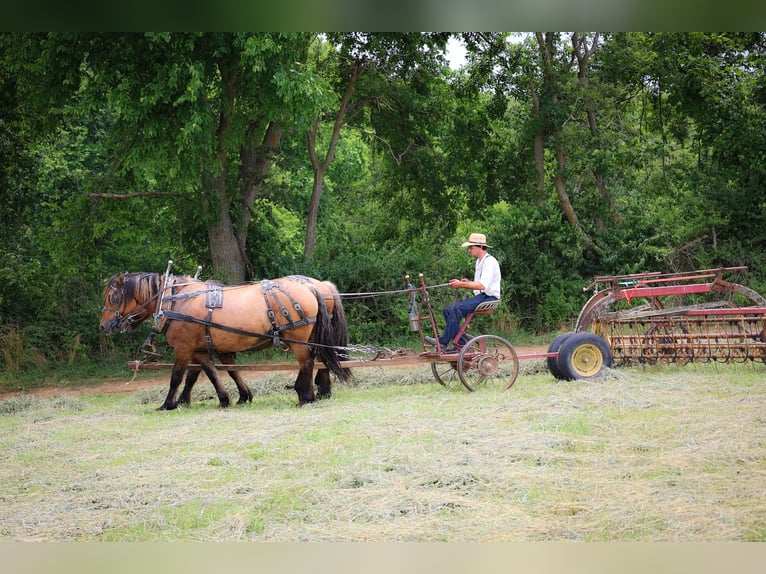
129,300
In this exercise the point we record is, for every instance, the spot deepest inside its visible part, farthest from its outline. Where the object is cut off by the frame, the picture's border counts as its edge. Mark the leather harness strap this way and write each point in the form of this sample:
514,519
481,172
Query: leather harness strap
270,291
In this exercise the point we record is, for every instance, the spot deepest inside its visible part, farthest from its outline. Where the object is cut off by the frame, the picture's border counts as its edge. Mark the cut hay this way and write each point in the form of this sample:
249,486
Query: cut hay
636,455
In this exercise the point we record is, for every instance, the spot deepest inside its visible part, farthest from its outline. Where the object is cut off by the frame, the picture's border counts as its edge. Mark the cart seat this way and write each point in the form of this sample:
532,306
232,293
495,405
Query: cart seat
486,308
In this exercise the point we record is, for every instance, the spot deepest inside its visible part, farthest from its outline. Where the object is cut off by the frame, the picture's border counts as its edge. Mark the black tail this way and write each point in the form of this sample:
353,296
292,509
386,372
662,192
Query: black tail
331,337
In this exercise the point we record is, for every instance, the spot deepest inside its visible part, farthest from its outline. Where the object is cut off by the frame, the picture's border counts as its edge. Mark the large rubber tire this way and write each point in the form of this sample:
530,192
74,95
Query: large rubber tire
554,347
583,356
488,361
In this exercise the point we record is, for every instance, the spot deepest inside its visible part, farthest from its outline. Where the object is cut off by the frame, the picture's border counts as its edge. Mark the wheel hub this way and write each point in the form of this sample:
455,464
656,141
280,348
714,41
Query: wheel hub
587,359
487,365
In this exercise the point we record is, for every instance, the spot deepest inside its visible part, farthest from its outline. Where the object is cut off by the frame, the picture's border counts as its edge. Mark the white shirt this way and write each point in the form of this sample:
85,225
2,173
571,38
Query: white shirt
487,272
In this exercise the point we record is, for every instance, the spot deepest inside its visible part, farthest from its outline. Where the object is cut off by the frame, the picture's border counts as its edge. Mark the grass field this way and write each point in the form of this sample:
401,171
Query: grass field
655,454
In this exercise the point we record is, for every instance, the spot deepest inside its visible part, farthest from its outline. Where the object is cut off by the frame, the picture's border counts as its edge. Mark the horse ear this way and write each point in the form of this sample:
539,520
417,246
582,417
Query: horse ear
121,279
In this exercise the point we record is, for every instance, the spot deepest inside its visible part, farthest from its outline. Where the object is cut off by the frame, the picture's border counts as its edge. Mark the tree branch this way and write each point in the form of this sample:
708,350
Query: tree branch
131,195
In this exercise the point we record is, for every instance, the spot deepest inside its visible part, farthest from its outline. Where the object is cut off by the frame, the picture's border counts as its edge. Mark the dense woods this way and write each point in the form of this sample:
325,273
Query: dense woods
362,157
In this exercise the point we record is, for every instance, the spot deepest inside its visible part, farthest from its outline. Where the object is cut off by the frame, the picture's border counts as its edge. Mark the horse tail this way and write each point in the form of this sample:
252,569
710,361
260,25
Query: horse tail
331,335
339,325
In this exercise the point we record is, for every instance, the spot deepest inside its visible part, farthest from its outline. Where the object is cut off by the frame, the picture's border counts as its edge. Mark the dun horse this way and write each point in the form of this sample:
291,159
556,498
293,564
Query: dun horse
199,319
331,298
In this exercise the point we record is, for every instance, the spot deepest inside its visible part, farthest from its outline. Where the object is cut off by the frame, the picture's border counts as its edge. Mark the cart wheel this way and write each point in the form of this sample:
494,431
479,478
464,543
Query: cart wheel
445,373
583,356
488,360
553,361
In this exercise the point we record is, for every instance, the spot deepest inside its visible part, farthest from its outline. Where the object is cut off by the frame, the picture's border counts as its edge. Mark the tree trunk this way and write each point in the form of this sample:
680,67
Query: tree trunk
583,53
228,263
227,258
561,191
538,145
320,167
228,242
313,214
550,90
256,158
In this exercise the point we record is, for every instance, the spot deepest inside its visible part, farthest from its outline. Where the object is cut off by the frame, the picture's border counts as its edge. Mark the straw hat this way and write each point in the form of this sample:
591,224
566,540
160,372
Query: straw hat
476,239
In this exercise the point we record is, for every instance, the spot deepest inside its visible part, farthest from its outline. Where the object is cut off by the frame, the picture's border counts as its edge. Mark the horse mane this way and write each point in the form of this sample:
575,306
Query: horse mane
141,286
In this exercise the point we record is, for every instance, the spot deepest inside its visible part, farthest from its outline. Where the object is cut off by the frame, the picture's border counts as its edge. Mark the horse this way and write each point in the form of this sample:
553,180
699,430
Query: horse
146,287
198,319
330,296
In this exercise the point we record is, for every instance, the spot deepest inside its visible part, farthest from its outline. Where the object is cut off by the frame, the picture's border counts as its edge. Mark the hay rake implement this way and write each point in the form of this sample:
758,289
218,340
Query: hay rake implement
677,318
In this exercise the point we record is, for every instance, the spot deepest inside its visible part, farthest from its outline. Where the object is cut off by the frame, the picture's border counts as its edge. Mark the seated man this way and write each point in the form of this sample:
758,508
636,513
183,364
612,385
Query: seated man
485,286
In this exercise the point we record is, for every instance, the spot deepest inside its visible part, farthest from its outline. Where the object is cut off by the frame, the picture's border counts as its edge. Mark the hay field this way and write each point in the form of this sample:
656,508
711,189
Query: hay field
655,454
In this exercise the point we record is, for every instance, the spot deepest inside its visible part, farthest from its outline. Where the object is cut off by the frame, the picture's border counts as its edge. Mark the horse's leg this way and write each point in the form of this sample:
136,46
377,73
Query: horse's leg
191,377
212,373
304,385
323,384
179,367
245,394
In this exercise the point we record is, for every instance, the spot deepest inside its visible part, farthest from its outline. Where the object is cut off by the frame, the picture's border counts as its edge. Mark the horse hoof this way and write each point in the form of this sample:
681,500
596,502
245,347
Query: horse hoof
243,399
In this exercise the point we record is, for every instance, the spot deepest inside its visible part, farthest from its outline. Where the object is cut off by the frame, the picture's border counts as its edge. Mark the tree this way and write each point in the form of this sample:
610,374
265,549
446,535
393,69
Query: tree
198,115
363,69
17,164
320,166
703,95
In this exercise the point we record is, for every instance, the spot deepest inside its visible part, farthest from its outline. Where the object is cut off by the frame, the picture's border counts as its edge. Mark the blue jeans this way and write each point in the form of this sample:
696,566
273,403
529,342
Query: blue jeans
454,314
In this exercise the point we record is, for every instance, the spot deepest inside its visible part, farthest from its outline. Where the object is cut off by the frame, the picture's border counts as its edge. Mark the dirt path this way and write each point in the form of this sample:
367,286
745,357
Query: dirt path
162,378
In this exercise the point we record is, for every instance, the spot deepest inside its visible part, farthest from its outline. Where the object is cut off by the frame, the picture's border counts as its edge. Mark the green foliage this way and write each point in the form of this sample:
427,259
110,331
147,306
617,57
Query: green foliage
172,122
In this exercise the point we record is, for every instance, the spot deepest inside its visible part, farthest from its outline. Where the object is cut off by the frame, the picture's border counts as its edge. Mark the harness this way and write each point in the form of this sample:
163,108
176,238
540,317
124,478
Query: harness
214,296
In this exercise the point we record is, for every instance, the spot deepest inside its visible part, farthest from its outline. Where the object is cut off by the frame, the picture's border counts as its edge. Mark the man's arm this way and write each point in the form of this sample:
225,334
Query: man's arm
466,284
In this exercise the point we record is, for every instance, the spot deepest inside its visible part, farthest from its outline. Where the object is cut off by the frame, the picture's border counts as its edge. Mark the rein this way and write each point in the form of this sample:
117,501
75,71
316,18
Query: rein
382,293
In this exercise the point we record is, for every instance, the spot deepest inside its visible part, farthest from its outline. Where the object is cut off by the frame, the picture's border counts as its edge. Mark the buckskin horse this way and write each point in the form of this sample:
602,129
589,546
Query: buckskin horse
330,296
199,319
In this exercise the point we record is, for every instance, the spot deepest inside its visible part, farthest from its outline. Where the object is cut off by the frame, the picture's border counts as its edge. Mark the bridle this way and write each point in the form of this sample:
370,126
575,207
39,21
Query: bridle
116,303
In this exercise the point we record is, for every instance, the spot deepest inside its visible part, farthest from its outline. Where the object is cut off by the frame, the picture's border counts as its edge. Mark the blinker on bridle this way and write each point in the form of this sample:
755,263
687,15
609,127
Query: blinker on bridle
115,298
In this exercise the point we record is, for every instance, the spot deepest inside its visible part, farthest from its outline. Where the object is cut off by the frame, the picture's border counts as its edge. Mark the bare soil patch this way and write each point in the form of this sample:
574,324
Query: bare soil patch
131,384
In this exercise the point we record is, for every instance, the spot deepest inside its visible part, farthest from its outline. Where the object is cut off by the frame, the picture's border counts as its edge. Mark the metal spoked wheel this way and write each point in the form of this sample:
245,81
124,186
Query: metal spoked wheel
488,361
445,373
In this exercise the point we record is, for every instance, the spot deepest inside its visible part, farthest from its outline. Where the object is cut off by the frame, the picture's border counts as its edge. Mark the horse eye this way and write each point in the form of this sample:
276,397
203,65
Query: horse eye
114,297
